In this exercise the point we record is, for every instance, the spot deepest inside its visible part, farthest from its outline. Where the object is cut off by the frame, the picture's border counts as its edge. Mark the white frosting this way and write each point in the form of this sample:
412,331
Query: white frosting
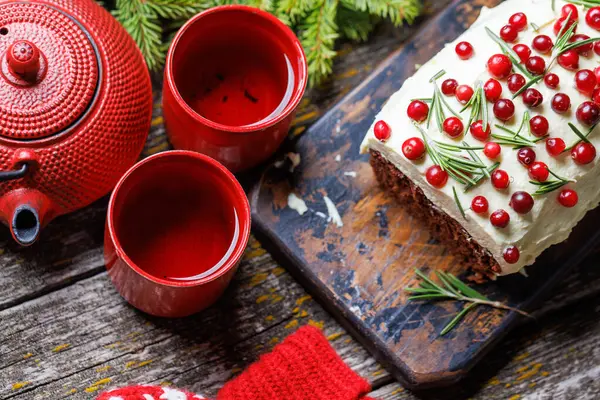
548,222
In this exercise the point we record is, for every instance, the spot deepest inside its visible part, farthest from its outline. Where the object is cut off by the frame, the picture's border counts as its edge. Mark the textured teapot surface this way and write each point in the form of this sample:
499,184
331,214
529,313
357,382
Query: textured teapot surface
75,106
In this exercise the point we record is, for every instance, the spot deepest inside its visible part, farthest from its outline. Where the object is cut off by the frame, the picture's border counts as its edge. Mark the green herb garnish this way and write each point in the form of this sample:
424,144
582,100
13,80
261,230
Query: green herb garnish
452,288
506,49
549,186
478,178
460,207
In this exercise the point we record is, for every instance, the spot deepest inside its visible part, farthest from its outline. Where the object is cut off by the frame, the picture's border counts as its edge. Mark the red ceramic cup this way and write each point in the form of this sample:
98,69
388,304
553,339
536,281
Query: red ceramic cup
177,226
234,77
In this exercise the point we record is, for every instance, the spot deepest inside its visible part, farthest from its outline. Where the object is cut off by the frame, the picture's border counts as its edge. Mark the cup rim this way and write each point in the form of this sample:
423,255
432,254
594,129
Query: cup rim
244,216
298,91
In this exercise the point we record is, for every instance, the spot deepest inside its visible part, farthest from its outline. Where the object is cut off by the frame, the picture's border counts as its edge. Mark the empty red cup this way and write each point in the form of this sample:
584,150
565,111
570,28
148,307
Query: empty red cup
177,225
234,77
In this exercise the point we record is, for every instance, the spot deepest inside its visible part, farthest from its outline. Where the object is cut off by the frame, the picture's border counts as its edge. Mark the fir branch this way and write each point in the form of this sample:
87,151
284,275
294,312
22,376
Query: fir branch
292,11
452,288
355,25
319,33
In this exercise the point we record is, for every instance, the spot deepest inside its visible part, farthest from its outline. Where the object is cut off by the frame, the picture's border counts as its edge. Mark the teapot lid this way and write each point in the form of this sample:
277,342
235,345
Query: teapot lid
49,71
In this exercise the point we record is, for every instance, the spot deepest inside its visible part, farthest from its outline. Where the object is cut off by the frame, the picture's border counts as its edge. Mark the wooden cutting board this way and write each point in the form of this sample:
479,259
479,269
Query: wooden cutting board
359,270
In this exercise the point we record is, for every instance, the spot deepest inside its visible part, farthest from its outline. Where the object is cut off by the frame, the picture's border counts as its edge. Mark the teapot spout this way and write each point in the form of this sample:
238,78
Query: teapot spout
25,211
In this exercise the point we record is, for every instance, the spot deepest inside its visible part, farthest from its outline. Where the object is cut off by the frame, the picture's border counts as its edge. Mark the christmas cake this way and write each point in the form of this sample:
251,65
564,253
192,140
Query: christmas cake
493,141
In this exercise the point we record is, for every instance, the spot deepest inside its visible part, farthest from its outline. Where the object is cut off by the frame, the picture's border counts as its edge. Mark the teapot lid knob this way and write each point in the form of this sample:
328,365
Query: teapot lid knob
23,59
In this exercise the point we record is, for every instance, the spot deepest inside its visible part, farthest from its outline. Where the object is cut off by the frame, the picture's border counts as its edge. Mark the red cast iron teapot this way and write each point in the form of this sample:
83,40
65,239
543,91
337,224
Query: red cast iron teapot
75,109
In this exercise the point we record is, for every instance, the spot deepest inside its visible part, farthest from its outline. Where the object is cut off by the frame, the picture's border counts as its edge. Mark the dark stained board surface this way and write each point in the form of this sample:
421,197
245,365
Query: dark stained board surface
359,270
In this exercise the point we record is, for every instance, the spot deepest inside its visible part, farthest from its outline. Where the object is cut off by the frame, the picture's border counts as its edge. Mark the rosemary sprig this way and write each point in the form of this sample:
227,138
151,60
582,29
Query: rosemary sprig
531,82
514,139
478,105
549,186
438,102
563,42
582,136
452,288
475,157
460,207
478,178
448,157
506,49
585,3
535,27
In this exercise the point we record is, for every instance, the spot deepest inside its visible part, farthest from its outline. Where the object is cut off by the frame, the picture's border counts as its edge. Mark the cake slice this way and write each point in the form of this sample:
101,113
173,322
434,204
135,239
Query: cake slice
492,141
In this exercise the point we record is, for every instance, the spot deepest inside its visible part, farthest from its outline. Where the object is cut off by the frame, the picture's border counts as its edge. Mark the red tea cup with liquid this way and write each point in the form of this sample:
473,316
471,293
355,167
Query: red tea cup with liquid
177,225
234,77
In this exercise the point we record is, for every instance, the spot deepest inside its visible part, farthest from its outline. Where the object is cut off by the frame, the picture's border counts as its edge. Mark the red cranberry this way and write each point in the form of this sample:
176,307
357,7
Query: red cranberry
585,81
499,66
504,109
523,51
509,33
492,90
464,50
551,80
562,24
492,150
539,126
449,87
532,97
478,132
542,44
526,156
536,65
592,17
521,202
597,74
500,179
417,110
518,20
539,171
569,9
511,254
464,93
436,176
583,153
584,49
555,146
561,103
413,148
597,48
453,126
515,82
568,198
500,219
596,96
382,131
588,113
569,60
479,205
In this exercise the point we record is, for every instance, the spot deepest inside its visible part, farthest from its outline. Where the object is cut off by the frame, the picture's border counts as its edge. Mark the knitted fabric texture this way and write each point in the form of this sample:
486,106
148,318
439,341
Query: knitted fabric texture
303,367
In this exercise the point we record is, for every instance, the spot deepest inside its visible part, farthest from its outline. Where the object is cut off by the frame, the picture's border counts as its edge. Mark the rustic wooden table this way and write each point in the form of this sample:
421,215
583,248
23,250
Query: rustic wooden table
66,333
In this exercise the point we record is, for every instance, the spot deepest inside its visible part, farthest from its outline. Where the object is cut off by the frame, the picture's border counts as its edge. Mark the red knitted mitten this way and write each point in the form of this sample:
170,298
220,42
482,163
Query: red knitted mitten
303,367
148,393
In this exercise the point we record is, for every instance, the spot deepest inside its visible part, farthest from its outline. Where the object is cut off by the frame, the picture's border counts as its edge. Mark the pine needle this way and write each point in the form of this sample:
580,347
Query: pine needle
318,23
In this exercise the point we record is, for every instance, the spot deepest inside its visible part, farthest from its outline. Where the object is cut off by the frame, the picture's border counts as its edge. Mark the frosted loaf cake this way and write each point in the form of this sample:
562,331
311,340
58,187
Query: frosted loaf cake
493,140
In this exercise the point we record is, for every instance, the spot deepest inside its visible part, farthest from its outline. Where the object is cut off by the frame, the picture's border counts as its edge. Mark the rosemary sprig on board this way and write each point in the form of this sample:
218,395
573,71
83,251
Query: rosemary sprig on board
449,158
582,136
549,186
452,288
506,49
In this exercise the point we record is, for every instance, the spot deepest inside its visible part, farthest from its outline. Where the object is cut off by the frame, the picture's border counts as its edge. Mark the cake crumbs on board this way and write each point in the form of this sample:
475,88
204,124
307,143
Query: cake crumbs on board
334,215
